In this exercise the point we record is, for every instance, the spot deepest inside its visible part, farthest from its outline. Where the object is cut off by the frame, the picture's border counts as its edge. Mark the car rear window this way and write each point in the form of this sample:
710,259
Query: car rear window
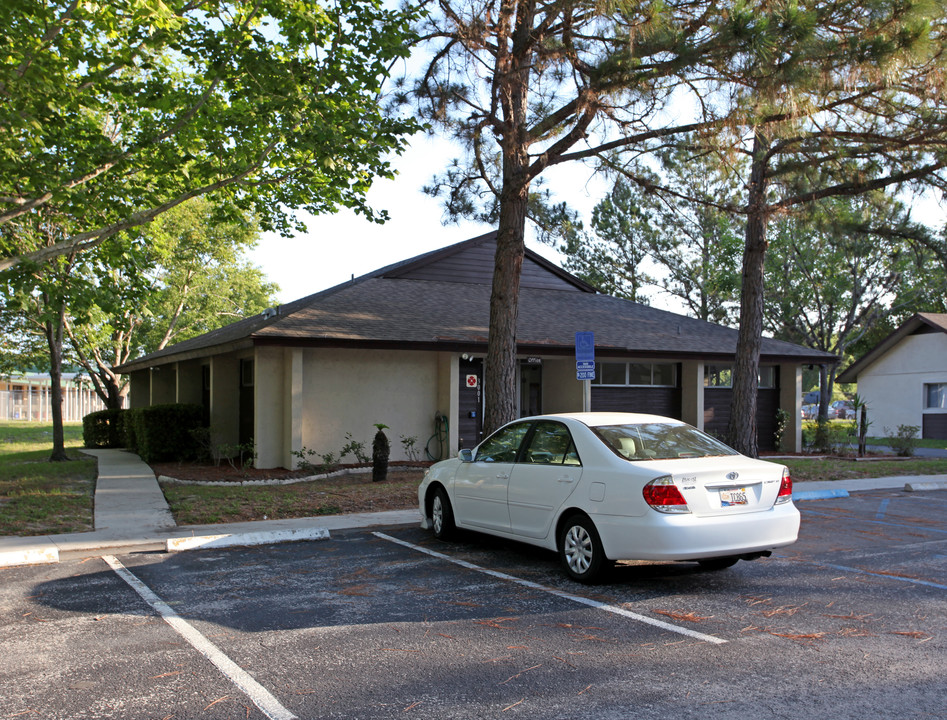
660,441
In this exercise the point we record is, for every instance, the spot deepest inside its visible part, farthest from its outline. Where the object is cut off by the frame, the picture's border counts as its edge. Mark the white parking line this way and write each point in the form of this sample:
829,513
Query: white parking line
614,609
260,696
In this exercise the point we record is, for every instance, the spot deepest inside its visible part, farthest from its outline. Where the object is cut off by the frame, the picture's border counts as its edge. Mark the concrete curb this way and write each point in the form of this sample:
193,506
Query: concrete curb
30,556
245,539
917,486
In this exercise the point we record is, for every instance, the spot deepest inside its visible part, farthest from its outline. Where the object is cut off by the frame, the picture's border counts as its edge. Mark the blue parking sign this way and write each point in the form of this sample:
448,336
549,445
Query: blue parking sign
585,355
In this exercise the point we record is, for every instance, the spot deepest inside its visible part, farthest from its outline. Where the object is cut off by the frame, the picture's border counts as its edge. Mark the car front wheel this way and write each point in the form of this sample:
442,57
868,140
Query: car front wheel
581,551
442,515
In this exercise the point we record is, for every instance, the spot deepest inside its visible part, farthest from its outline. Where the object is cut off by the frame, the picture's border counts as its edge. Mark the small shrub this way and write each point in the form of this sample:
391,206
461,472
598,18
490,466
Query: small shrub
304,461
782,422
904,441
241,455
104,429
354,448
162,433
409,445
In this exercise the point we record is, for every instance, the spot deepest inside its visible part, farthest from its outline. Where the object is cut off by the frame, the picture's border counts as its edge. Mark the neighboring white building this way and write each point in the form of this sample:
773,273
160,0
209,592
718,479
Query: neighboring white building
903,379
29,397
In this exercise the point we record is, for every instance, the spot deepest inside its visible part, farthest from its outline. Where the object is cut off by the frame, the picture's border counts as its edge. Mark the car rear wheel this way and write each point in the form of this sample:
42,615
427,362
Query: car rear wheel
581,551
442,515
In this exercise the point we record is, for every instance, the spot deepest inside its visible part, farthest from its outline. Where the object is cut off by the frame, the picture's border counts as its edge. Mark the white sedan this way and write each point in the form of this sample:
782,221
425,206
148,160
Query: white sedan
600,487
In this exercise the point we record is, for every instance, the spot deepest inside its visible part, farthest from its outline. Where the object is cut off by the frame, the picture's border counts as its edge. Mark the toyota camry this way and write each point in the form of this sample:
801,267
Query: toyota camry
601,487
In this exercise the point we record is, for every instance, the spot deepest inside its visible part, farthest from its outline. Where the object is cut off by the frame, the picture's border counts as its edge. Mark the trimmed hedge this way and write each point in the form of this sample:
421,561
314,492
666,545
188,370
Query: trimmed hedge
104,429
162,433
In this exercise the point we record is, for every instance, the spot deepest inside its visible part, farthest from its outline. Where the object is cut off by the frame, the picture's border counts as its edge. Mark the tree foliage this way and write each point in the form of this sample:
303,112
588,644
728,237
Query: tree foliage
839,271
526,85
822,99
819,98
35,309
185,275
113,113
686,250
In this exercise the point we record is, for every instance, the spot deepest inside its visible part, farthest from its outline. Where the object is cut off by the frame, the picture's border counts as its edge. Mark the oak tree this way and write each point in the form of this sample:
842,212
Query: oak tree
112,113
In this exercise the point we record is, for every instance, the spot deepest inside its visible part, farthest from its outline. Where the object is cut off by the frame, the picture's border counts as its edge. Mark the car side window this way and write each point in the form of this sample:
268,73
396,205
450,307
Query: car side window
503,445
551,444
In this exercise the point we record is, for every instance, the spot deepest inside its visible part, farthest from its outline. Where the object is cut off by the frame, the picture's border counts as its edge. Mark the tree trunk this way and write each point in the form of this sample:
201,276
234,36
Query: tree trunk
499,383
54,338
513,67
741,432
825,392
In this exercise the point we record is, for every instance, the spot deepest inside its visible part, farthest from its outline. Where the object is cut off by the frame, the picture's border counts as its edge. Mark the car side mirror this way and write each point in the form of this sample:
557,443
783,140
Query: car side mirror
466,455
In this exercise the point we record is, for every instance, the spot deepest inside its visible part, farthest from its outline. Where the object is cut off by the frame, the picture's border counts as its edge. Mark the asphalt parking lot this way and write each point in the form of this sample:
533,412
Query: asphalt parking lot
850,622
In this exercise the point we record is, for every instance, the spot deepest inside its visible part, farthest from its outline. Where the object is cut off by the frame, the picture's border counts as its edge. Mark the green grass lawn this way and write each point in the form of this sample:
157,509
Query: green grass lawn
926,443
804,469
39,497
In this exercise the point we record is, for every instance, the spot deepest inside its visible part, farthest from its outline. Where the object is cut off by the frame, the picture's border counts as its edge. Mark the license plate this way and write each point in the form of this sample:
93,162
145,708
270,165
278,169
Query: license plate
734,496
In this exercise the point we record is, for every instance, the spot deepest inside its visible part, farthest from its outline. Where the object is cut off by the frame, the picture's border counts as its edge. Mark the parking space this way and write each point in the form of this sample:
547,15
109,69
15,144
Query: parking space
849,622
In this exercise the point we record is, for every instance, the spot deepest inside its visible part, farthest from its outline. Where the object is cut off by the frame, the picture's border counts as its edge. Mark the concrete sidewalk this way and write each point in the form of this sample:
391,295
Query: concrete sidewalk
131,514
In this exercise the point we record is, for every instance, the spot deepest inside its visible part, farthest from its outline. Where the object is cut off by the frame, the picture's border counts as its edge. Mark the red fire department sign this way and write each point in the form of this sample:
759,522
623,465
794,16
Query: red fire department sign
472,381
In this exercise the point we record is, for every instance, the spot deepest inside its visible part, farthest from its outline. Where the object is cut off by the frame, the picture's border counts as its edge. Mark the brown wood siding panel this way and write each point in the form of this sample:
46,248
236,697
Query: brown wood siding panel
767,403
934,426
536,276
475,266
717,415
717,411
659,401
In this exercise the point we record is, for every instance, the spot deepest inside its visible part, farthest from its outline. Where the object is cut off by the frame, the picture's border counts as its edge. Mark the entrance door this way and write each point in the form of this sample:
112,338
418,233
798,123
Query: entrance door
531,389
470,404
246,402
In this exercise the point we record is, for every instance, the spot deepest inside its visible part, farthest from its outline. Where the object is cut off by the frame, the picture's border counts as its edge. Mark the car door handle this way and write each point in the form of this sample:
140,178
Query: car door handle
566,479
502,476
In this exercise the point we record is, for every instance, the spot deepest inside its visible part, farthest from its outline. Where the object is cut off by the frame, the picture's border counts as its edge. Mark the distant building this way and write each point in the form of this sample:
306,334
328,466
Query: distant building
405,346
29,397
903,379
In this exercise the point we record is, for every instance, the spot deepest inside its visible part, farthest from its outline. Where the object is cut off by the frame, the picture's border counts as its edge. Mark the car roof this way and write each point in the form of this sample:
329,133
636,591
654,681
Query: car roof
598,419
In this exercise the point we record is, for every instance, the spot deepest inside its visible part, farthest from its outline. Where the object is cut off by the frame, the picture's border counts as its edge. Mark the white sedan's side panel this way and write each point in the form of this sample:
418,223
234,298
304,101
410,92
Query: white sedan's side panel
536,493
480,495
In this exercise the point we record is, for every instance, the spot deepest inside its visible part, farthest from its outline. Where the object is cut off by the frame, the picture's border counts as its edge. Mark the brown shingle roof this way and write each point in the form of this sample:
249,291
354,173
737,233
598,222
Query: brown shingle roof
379,310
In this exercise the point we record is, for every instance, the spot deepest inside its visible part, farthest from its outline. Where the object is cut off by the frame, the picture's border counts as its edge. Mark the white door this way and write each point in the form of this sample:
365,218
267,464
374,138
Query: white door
481,486
548,472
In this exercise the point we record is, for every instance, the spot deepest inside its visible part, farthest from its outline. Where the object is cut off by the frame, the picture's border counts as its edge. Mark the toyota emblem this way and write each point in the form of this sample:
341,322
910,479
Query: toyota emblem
733,475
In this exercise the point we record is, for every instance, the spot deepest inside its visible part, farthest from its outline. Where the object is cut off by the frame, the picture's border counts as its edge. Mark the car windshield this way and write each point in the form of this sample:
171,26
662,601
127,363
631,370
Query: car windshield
660,441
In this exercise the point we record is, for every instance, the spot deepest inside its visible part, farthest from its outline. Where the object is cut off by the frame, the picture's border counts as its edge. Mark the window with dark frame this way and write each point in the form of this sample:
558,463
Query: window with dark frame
635,374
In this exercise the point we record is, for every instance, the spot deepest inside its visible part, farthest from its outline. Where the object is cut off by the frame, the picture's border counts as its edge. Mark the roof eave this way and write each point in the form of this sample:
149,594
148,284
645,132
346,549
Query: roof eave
908,327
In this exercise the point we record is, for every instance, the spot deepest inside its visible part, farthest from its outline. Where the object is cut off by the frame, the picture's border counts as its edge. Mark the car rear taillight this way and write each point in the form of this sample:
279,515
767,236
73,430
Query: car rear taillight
785,488
662,495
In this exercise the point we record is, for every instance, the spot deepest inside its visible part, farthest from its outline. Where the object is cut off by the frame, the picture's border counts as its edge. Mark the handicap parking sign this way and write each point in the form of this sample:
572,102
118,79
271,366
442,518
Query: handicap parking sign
585,355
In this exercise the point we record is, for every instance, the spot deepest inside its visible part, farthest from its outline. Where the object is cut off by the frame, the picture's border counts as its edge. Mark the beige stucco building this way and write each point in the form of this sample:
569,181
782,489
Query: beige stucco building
404,346
903,379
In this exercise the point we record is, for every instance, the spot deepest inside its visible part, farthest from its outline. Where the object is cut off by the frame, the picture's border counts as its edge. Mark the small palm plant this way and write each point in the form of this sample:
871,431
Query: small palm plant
381,449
